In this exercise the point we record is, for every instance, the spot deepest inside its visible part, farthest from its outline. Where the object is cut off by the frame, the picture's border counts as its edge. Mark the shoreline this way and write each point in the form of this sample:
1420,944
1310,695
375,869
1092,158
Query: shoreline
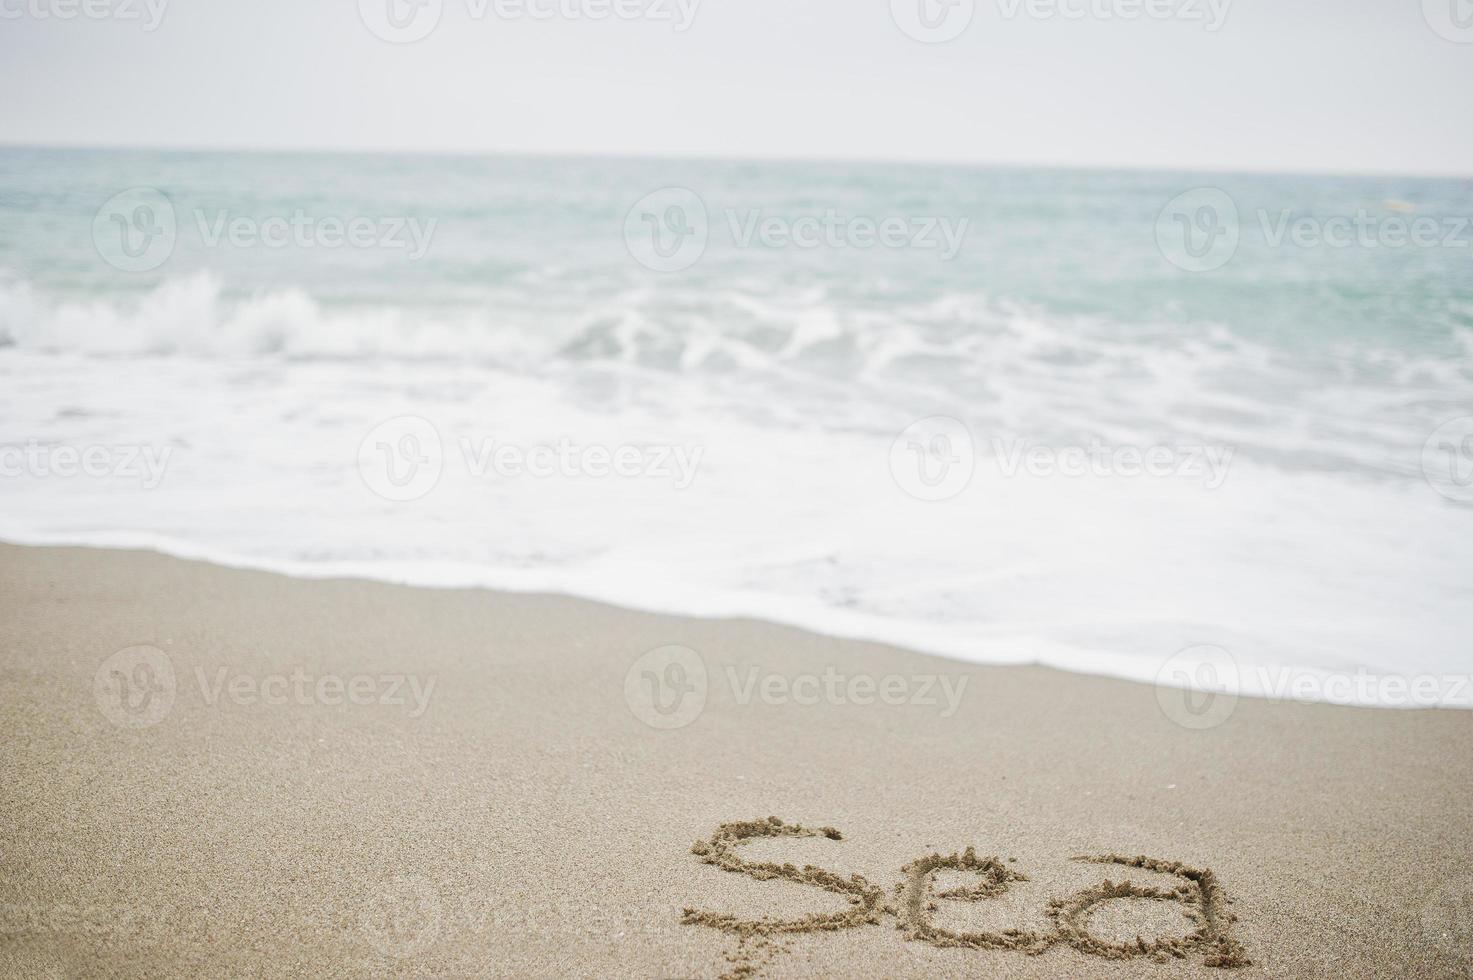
1271,682
218,771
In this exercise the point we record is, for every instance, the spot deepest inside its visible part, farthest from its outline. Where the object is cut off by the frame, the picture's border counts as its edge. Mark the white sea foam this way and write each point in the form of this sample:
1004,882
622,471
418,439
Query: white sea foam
1322,551
1324,380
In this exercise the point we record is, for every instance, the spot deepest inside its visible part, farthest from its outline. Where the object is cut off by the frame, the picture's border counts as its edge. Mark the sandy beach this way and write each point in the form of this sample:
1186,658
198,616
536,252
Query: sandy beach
736,491
215,772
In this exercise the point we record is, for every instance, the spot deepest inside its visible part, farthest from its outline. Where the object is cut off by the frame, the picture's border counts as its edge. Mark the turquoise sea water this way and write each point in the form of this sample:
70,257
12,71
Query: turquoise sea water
515,299
1073,243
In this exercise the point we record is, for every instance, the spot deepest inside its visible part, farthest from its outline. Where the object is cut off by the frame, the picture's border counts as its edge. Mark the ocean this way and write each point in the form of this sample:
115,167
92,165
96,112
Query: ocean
1209,428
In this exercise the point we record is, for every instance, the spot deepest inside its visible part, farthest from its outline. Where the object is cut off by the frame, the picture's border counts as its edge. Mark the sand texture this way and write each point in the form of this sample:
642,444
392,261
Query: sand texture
208,772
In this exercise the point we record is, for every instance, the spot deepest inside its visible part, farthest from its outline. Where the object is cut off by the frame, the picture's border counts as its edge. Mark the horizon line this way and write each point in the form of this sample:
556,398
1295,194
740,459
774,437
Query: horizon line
734,158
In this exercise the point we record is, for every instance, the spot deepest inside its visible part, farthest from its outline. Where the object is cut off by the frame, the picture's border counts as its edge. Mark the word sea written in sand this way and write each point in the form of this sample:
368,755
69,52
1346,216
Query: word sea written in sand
915,899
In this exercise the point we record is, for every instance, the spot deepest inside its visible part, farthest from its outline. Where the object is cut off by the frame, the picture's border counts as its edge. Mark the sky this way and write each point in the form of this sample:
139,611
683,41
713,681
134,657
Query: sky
1340,86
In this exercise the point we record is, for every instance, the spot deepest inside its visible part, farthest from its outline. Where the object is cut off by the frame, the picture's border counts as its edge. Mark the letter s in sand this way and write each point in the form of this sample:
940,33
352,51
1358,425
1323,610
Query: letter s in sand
721,850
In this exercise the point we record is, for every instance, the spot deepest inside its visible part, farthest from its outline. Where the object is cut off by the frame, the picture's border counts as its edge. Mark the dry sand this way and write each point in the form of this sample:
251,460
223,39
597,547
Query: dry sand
314,779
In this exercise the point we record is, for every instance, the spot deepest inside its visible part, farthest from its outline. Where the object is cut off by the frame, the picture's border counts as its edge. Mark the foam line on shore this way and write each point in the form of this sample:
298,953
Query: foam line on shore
676,600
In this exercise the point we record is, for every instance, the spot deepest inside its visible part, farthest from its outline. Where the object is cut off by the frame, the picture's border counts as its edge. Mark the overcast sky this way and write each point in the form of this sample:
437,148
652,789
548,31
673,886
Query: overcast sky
1322,85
